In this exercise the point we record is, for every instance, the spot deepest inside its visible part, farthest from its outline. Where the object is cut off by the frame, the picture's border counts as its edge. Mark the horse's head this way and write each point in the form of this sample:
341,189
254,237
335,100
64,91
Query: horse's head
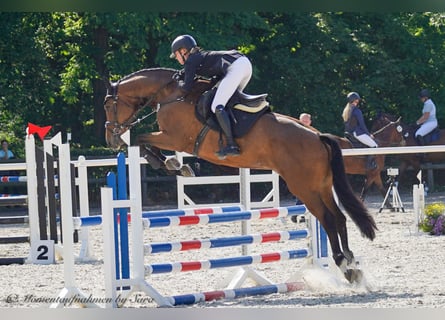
388,130
128,96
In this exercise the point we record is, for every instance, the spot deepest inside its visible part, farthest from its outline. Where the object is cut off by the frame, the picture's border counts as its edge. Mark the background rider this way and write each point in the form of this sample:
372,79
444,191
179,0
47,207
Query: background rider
428,120
355,125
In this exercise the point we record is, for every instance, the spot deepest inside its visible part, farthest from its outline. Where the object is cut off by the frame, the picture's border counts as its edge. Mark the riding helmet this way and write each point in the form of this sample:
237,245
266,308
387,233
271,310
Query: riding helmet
353,96
424,93
183,41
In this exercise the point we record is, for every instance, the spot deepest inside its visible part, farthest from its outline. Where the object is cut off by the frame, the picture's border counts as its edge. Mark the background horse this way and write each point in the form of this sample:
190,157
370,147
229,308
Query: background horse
386,135
412,159
311,164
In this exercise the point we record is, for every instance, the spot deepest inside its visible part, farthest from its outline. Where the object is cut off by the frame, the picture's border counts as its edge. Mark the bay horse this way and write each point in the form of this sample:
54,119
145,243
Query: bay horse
412,159
311,164
387,133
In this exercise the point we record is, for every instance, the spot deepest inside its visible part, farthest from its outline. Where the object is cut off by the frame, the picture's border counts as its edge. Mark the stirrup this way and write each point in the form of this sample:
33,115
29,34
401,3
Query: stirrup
231,150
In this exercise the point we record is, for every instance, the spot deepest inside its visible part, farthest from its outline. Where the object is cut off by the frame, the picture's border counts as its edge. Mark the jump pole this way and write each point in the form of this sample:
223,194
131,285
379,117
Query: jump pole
137,279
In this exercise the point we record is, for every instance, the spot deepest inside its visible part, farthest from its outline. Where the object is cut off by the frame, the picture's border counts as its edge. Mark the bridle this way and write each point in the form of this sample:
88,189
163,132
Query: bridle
398,128
117,128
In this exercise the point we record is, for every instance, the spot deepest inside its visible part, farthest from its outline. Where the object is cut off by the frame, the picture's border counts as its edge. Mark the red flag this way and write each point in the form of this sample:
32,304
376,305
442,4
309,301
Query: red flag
41,131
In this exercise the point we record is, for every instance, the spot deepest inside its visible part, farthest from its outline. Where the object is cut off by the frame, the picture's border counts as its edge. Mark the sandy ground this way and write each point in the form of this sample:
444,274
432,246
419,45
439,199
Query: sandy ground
402,268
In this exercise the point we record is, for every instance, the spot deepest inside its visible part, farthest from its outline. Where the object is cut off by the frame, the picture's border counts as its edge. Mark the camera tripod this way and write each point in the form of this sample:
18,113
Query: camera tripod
396,201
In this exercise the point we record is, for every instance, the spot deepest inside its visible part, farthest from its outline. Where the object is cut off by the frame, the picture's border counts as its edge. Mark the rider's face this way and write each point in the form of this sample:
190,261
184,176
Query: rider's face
181,55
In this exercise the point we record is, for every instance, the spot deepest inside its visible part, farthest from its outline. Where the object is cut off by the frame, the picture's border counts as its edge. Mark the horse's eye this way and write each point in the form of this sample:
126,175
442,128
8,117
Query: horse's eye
399,129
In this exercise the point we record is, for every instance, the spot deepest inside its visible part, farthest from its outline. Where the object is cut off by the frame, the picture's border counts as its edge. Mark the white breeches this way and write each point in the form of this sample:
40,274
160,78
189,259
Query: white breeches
237,77
366,139
426,128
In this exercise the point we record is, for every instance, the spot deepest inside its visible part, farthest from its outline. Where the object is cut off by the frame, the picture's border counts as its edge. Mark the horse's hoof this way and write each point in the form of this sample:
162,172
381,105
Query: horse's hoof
172,164
187,171
354,275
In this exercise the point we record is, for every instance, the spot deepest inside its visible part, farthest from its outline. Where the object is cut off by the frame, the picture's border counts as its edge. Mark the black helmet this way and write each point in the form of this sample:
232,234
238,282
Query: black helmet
353,96
184,41
424,93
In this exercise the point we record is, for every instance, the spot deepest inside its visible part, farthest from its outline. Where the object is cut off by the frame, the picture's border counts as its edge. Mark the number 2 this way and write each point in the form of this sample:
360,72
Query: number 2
44,250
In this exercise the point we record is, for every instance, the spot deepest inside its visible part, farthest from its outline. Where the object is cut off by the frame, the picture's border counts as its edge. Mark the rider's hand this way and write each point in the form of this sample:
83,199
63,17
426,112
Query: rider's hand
179,75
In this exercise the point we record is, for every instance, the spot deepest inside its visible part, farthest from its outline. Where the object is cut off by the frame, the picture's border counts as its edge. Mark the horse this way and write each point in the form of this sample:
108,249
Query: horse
386,134
311,164
412,159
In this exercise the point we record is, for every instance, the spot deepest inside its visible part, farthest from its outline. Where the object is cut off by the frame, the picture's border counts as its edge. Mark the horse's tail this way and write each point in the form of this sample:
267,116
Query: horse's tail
352,204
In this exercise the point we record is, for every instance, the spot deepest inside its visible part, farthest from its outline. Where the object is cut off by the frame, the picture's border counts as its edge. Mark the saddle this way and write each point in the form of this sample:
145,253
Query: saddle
370,159
244,111
432,136
355,143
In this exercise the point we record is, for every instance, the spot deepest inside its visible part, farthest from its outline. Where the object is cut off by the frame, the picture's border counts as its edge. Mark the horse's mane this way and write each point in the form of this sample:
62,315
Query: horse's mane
143,71
200,86
389,116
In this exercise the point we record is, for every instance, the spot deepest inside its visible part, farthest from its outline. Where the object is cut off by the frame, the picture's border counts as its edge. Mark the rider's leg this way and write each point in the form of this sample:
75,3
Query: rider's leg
371,164
237,76
232,148
420,140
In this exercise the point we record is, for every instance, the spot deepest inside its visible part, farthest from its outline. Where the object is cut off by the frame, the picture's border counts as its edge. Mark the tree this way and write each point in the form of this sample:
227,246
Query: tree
54,64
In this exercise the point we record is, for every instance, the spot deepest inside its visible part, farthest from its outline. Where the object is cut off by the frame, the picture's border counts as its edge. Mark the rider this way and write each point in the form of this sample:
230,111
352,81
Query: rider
428,120
355,125
232,67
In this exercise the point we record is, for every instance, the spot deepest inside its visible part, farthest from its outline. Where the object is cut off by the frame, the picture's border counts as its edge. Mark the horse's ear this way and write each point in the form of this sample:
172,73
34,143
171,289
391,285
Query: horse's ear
379,113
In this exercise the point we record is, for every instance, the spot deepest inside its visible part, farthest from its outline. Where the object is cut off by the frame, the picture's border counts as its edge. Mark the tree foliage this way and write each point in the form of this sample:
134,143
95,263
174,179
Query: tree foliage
53,64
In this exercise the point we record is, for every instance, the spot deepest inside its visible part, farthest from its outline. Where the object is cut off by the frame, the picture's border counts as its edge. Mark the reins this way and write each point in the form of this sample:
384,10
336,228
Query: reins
117,127
386,126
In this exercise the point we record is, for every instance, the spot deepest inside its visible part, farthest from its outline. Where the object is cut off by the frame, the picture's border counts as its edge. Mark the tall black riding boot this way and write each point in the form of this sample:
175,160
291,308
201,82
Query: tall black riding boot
232,148
421,142
370,162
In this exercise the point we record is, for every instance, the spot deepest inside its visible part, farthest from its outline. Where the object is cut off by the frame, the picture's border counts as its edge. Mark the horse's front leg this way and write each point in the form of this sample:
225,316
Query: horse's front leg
158,160
365,188
154,156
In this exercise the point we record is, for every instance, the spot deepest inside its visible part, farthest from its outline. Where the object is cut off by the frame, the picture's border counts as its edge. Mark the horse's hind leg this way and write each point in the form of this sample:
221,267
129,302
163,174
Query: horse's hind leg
348,265
330,224
334,223
344,258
